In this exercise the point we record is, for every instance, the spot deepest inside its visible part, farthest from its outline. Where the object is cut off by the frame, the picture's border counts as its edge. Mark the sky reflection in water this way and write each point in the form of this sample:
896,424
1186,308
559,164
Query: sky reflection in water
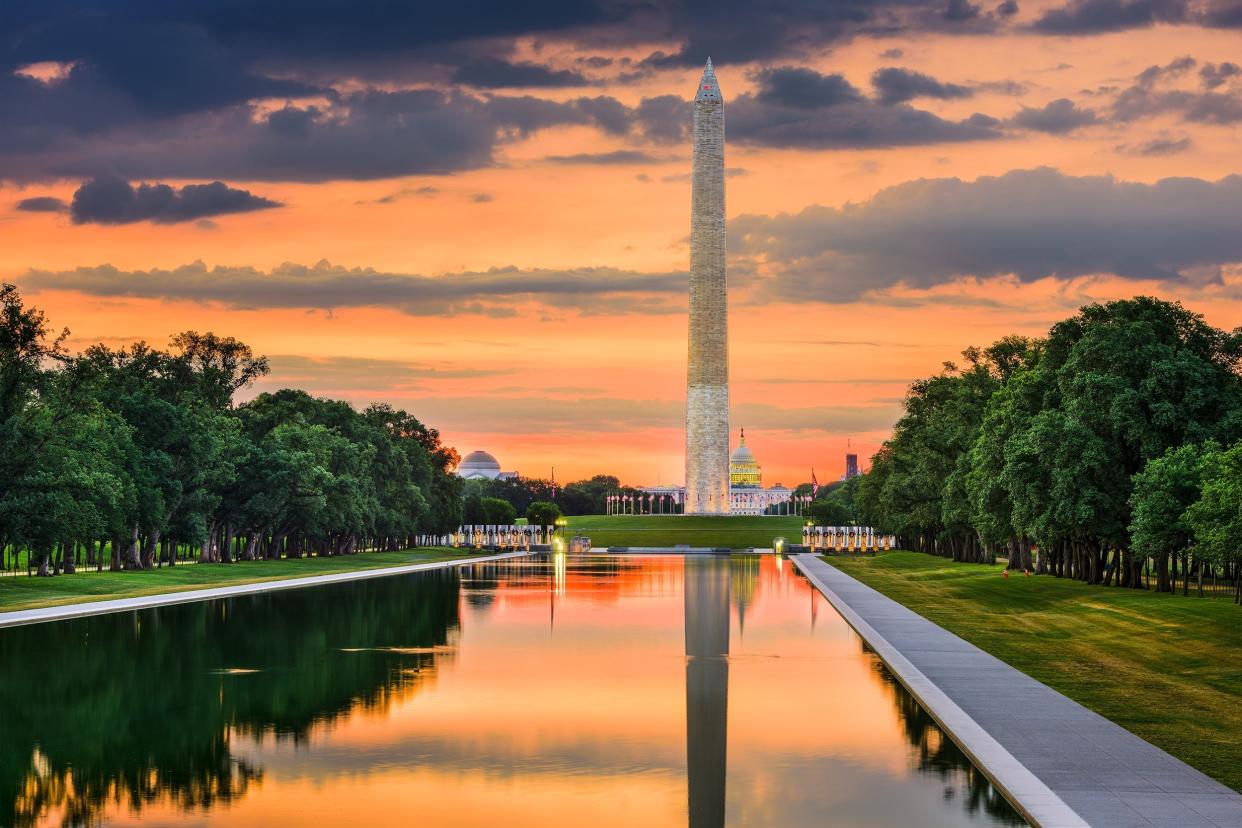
546,692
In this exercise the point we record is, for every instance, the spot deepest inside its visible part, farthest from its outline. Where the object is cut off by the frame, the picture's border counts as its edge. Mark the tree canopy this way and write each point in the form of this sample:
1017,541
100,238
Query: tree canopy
1079,454
141,455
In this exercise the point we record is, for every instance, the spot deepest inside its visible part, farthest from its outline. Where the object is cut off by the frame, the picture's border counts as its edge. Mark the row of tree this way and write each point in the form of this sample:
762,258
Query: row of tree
137,456
1111,442
582,497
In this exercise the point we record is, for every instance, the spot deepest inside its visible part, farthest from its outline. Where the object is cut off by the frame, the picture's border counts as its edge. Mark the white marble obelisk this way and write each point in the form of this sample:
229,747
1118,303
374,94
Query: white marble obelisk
707,384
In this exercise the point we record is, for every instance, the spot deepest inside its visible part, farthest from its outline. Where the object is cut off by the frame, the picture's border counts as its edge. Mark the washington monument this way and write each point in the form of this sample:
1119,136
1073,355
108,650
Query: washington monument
707,383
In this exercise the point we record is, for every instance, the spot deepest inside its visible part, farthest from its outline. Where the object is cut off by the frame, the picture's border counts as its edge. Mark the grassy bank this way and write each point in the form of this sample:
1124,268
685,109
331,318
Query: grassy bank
1167,668
735,532
29,593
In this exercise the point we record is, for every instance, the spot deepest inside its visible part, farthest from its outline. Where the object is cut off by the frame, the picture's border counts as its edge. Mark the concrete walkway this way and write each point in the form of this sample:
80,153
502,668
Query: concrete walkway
60,613
1060,763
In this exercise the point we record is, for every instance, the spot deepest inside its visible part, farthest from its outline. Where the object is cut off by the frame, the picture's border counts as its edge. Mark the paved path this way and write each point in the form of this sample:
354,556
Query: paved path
60,613
1060,763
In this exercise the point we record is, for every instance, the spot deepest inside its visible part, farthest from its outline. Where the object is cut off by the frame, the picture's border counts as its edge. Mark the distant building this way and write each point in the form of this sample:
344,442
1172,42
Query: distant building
744,470
479,465
746,493
851,467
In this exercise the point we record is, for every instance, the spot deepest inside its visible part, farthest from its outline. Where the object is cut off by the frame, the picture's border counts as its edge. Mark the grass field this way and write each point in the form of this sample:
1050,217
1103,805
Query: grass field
735,532
28,593
1167,668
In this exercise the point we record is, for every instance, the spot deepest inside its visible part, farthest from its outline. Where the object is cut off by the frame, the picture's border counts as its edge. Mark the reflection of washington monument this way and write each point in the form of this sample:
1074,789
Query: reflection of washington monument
706,592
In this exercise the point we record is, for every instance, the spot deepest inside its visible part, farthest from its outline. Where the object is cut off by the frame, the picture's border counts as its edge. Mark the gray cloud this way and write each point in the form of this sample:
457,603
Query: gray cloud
1157,147
42,204
831,113
1055,118
801,88
328,287
111,200
1029,223
494,73
605,158
1154,93
1222,14
324,375
1084,17
363,135
1214,75
896,85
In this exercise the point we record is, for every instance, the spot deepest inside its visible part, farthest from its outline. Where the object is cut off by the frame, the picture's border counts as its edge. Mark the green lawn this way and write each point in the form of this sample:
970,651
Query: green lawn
735,532
17,593
1165,667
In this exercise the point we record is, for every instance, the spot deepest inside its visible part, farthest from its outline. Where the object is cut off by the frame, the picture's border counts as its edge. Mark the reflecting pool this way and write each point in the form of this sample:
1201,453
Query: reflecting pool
547,691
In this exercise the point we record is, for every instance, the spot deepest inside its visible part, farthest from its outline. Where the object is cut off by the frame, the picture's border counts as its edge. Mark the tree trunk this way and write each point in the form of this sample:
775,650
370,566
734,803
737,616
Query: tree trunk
148,549
130,559
226,548
1162,573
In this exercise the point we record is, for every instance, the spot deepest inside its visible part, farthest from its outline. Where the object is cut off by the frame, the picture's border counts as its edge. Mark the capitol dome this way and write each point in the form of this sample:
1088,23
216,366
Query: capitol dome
743,468
478,465
742,454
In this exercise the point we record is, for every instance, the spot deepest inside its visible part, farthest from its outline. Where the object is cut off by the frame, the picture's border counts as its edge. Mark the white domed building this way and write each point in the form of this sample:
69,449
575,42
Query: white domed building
480,465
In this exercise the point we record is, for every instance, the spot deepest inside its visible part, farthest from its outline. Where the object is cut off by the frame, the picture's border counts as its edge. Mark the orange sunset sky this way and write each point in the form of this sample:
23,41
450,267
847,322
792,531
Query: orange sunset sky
481,213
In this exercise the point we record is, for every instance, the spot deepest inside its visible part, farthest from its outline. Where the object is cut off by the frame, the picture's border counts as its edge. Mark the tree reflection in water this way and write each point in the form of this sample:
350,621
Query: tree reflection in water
136,708
935,753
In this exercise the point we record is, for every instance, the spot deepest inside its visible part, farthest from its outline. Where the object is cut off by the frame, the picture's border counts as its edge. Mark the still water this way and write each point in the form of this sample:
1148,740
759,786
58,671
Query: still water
598,691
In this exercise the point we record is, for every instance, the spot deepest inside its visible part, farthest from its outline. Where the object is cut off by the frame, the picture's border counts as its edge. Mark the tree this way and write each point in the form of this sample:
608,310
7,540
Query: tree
1216,516
542,513
1163,492
829,513
498,512
473,513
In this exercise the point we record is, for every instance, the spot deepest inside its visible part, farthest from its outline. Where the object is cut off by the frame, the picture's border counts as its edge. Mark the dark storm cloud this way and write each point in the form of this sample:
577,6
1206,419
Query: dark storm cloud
111,200
329,287
1055,118
42,204
494,73
360,136
158,90
895,85
1085,17
839,117
1029,223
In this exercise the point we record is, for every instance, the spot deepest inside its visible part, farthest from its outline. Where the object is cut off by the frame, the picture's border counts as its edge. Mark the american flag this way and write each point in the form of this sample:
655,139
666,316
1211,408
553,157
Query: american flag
814,484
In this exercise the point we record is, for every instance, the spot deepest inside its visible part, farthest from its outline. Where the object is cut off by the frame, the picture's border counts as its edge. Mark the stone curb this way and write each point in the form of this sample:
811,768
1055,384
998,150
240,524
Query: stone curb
1033,799
82,610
